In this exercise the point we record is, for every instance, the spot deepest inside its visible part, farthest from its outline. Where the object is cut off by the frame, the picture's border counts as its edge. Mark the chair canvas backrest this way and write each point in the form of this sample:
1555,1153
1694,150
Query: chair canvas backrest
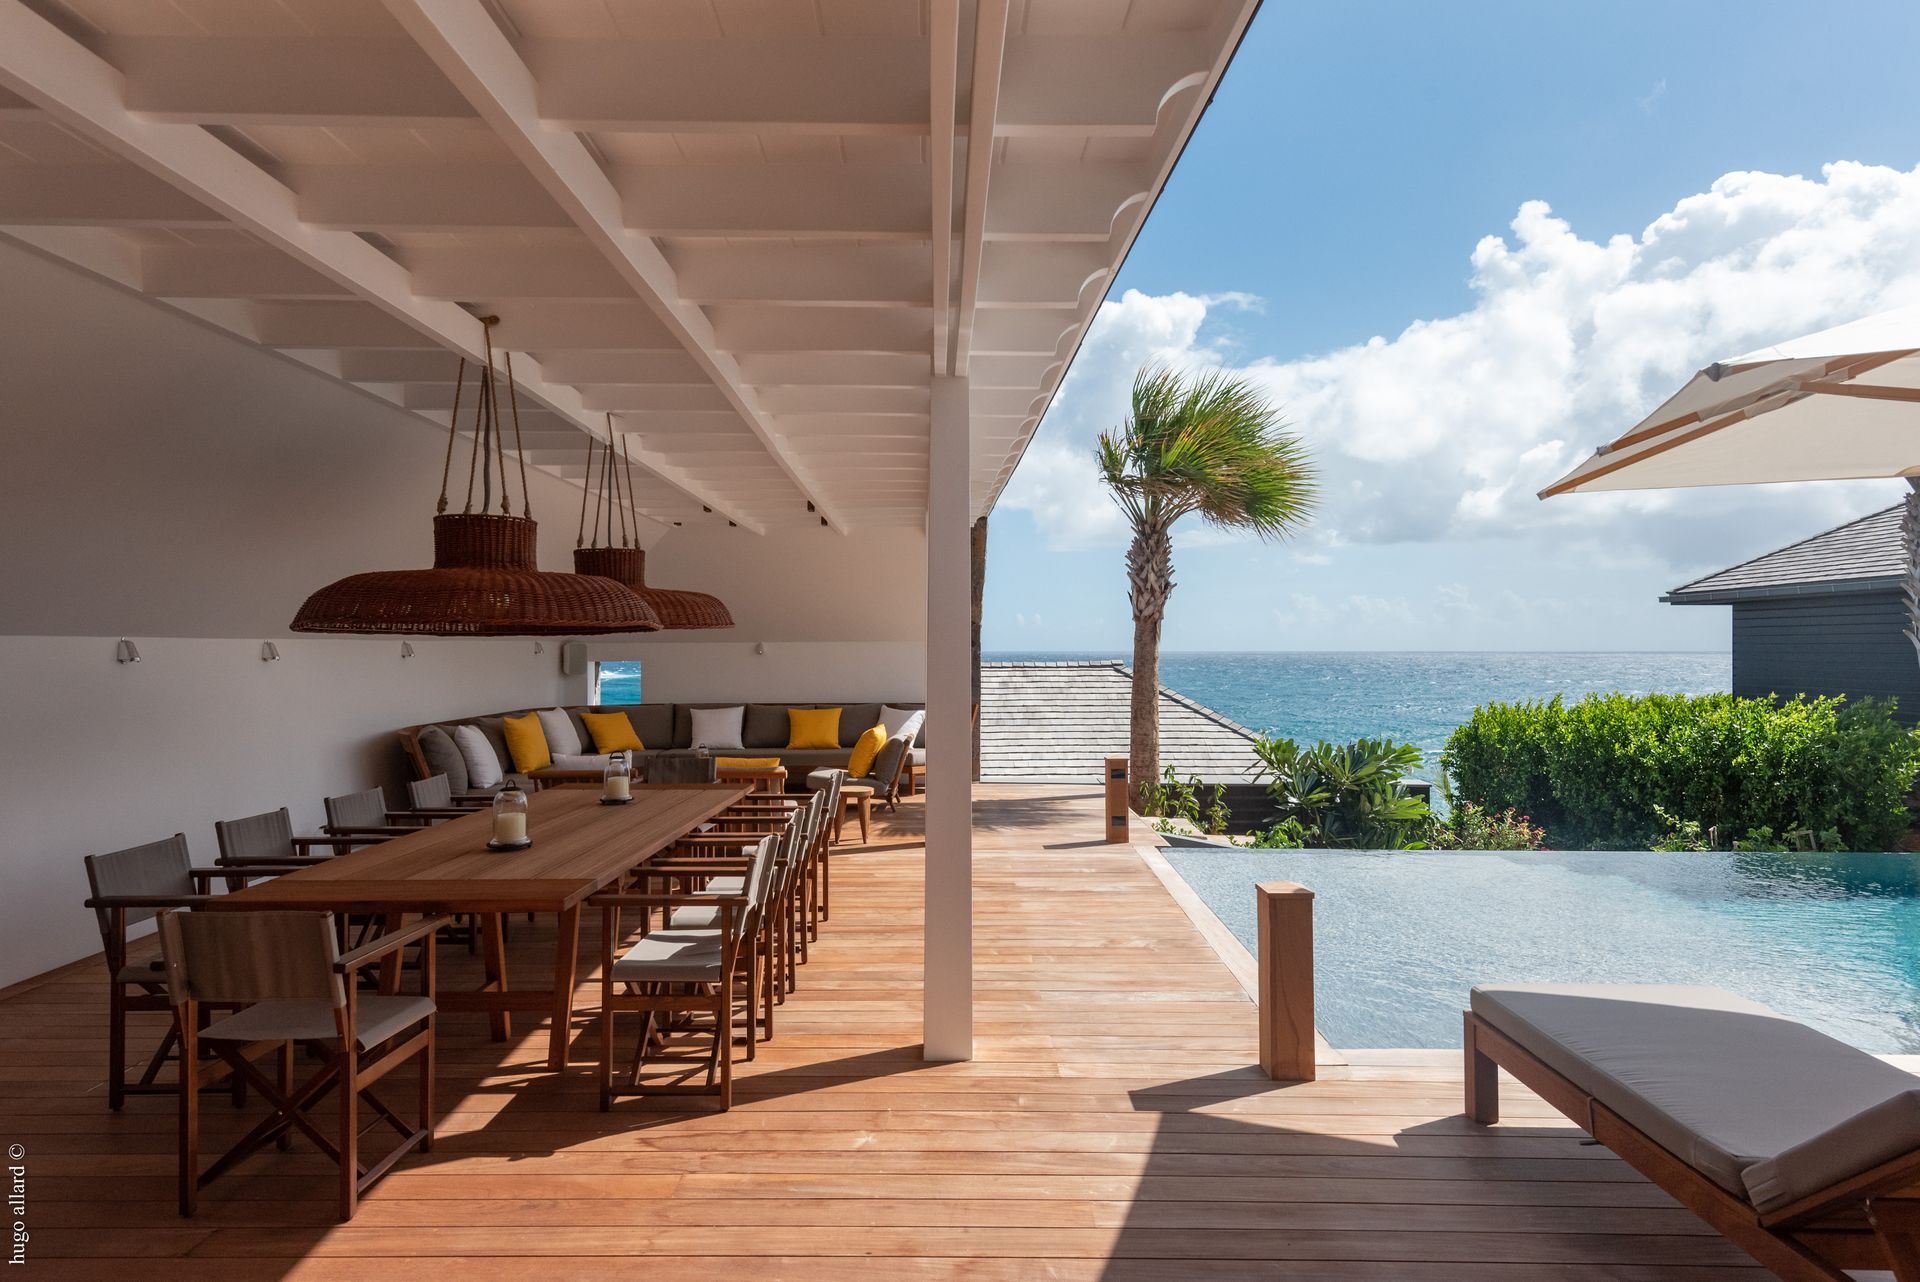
757,888
251,957
358,810
835,779
268,836
157,869
435,792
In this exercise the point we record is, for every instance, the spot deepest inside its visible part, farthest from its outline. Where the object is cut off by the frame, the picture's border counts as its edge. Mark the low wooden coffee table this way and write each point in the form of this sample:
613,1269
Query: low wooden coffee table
857,797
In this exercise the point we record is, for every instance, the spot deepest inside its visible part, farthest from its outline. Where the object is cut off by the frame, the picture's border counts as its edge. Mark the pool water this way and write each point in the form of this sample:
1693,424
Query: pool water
1399,938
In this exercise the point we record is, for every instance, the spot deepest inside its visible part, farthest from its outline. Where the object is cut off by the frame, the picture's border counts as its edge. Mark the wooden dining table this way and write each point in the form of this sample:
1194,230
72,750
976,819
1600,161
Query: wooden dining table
580,847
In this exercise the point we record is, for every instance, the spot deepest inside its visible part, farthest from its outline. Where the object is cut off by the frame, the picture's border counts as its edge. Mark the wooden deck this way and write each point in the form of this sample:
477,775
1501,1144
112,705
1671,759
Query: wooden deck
1112,1128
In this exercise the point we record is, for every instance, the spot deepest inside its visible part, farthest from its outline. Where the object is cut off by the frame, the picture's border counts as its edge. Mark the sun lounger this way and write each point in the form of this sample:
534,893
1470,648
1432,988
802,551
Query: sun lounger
1801,1149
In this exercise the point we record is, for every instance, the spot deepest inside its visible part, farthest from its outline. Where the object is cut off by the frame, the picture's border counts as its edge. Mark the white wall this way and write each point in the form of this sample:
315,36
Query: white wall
803,671
104,755
167,482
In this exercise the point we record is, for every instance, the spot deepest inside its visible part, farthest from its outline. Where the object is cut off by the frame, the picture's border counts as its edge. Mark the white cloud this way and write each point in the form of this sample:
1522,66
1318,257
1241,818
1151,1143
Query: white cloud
1447,429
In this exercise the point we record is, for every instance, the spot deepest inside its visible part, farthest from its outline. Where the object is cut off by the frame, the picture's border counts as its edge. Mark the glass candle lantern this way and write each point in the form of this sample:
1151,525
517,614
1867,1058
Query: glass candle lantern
617,783
510,817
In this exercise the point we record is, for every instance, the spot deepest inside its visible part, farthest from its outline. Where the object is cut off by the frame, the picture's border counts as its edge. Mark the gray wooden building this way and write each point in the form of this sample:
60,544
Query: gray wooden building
1821,616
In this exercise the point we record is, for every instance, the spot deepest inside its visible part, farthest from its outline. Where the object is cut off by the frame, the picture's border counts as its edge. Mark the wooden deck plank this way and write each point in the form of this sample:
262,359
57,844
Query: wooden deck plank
1112,1128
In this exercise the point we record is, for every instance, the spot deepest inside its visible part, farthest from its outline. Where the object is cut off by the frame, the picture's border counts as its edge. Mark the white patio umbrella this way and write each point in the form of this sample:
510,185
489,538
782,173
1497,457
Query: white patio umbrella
1843,404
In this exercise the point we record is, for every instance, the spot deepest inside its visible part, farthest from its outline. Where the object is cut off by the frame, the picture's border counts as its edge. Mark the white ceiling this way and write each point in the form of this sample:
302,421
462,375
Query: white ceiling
751,230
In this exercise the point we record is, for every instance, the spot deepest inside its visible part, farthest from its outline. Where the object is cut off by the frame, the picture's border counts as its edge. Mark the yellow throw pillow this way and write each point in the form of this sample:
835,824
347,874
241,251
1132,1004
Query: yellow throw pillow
866,749
612,732
813,727
745,763
527,742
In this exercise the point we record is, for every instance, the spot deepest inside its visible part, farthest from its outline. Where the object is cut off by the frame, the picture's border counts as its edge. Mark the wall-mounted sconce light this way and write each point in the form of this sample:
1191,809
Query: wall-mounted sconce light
759,647
269,652
406,649
127,652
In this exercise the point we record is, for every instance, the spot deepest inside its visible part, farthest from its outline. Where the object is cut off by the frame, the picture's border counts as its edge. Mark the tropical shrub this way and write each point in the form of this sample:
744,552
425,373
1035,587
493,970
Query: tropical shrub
1343,794
1172,799
1471,826
1620,771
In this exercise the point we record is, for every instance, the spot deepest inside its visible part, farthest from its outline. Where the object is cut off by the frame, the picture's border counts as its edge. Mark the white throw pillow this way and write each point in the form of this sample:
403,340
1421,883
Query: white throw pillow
483,763
909,728
581,761
719,728
895,719
562,739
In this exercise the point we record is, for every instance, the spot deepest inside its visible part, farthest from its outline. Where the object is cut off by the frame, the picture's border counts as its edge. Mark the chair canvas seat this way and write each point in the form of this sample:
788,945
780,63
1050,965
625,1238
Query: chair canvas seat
313,1021
696,918
672,956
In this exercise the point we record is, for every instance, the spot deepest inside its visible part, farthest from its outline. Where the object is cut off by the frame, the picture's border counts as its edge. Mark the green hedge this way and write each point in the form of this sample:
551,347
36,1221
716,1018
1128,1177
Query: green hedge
1598,773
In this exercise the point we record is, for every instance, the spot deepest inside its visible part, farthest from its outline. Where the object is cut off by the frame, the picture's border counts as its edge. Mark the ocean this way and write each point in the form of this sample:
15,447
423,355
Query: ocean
1415,698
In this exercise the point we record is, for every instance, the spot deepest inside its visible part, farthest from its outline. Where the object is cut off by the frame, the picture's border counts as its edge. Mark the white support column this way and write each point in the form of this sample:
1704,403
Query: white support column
948,1012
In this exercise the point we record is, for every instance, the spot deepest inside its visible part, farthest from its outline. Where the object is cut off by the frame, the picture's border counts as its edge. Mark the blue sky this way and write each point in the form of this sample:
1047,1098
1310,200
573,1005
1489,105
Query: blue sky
1573,206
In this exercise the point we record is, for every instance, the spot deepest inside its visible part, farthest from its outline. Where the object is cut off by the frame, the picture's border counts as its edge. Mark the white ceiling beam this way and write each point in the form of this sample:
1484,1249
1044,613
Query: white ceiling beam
823,329
103,195
1109,85
837,85
874,273
989,60
826,201
231,271
622,367
307,80
470,49
790,198
834,369
943,110
84,93
422,197
845,401
516,271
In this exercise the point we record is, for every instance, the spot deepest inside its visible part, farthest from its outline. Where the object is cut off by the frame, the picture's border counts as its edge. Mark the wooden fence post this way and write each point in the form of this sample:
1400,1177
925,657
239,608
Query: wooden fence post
1284,911
1118,827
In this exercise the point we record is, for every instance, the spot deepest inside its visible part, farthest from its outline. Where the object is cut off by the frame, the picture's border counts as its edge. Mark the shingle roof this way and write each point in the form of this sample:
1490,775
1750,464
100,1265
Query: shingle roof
1060,721
1861,556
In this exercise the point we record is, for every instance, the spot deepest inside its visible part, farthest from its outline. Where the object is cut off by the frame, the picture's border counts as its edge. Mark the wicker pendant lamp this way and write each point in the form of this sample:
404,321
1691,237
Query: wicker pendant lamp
486,580
626,560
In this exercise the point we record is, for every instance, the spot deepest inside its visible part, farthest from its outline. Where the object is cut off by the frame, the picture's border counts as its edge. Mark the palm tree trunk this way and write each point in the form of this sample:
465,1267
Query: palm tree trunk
1149,584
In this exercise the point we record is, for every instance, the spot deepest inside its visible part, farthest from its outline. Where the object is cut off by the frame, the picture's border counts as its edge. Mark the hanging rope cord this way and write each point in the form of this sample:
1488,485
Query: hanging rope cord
453,429
633,507
580,536
615,502
519,449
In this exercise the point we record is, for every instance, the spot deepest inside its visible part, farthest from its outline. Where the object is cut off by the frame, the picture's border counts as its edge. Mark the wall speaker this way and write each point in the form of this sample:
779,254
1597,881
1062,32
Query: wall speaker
573,659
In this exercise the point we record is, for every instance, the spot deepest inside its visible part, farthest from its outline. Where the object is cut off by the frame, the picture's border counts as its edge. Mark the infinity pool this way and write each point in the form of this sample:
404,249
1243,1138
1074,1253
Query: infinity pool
1833,940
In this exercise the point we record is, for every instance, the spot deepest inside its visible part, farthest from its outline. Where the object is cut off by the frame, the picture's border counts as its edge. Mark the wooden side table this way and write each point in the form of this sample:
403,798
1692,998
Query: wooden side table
857,797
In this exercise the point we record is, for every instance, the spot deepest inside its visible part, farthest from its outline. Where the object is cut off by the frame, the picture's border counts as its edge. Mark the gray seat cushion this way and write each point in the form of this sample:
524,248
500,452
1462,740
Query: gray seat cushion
1766,1108
672,956
312,1021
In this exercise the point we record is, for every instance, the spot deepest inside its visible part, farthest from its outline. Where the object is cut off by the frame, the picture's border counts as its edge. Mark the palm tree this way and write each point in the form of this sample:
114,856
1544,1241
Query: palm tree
1210,444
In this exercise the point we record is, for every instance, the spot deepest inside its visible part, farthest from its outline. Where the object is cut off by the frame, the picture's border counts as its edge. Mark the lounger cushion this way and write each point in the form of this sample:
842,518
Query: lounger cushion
1879,1134
1721,1082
